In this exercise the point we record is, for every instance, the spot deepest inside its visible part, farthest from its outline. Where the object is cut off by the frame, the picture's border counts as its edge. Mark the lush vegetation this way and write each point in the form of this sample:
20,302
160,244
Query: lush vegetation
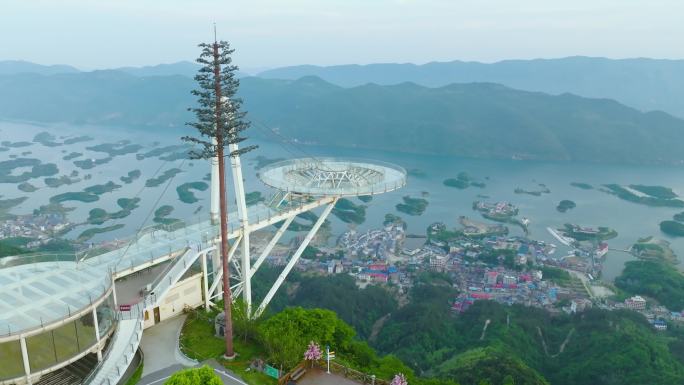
655,279
8,248
412,206
135,378
554,274
648,200
565,205
673,228
361,308
195,376
489,365
187,196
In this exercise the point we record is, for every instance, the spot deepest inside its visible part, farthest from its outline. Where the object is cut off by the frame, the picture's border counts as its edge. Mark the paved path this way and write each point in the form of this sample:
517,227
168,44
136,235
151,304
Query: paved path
315,376
160,346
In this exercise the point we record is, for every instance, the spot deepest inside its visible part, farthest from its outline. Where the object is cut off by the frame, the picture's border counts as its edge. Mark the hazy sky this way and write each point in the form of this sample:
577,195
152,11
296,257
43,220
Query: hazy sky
109,33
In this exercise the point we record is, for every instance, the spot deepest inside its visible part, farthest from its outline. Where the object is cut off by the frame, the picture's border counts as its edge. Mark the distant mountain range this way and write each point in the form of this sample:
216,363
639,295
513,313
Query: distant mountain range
645,84
182,68
12,67
475,120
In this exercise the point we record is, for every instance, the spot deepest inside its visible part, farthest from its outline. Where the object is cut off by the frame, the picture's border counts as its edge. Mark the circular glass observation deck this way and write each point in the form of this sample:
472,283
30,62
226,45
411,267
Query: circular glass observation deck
333,176
58,310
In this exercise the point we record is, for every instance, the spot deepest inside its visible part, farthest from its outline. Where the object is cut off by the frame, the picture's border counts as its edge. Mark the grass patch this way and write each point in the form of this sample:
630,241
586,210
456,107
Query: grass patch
135,378
197,341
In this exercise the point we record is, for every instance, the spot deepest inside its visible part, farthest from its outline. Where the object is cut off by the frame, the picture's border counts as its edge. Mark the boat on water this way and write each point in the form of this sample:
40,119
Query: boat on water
562,239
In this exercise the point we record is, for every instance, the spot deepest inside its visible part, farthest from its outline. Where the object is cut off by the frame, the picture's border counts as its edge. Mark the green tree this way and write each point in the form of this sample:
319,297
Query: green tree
195,376
220,123
287,334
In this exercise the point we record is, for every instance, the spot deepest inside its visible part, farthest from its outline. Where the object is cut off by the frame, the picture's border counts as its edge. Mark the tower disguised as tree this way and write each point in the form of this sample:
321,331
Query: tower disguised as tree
220,122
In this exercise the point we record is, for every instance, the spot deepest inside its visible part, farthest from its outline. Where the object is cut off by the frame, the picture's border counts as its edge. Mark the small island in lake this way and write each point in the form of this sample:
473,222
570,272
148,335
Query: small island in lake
72,155
652,249
416,173
349,212
565,205
132,175
501,212
119,148
186,195
365,198
673,228
161,216
168,174
38,170
580,233
86,235
99,216
475,229
412,206
254,197
78,139
161,151
462,181
60,181
46,139
583,186
100,189
80,196
657,196
543,190
27,187
87,164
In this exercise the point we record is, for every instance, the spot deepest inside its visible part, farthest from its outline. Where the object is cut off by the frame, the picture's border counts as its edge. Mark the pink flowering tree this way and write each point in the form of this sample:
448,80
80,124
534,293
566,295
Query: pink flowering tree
313,352
399,379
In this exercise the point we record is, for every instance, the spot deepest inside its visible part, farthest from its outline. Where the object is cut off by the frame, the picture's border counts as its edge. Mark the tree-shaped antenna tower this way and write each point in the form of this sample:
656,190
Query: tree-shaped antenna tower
220,122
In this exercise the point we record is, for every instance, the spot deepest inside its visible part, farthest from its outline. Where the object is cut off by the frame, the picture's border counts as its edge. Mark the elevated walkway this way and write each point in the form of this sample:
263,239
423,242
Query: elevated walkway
156,245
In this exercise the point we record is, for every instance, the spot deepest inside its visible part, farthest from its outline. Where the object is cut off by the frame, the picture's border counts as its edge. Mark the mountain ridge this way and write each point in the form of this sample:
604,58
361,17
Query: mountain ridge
481,120
643,83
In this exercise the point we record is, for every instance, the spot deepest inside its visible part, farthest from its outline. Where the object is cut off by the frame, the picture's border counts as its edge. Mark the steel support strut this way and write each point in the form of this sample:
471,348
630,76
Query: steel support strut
295,258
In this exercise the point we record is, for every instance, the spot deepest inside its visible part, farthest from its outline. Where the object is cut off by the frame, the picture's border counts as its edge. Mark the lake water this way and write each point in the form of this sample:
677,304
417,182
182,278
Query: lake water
594,208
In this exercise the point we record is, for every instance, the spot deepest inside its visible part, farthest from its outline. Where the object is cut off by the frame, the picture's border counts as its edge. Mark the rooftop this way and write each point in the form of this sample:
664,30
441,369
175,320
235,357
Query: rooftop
332,176
42,293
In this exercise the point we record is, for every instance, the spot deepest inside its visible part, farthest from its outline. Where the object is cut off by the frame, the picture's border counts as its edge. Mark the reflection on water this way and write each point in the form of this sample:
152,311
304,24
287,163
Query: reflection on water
501,178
